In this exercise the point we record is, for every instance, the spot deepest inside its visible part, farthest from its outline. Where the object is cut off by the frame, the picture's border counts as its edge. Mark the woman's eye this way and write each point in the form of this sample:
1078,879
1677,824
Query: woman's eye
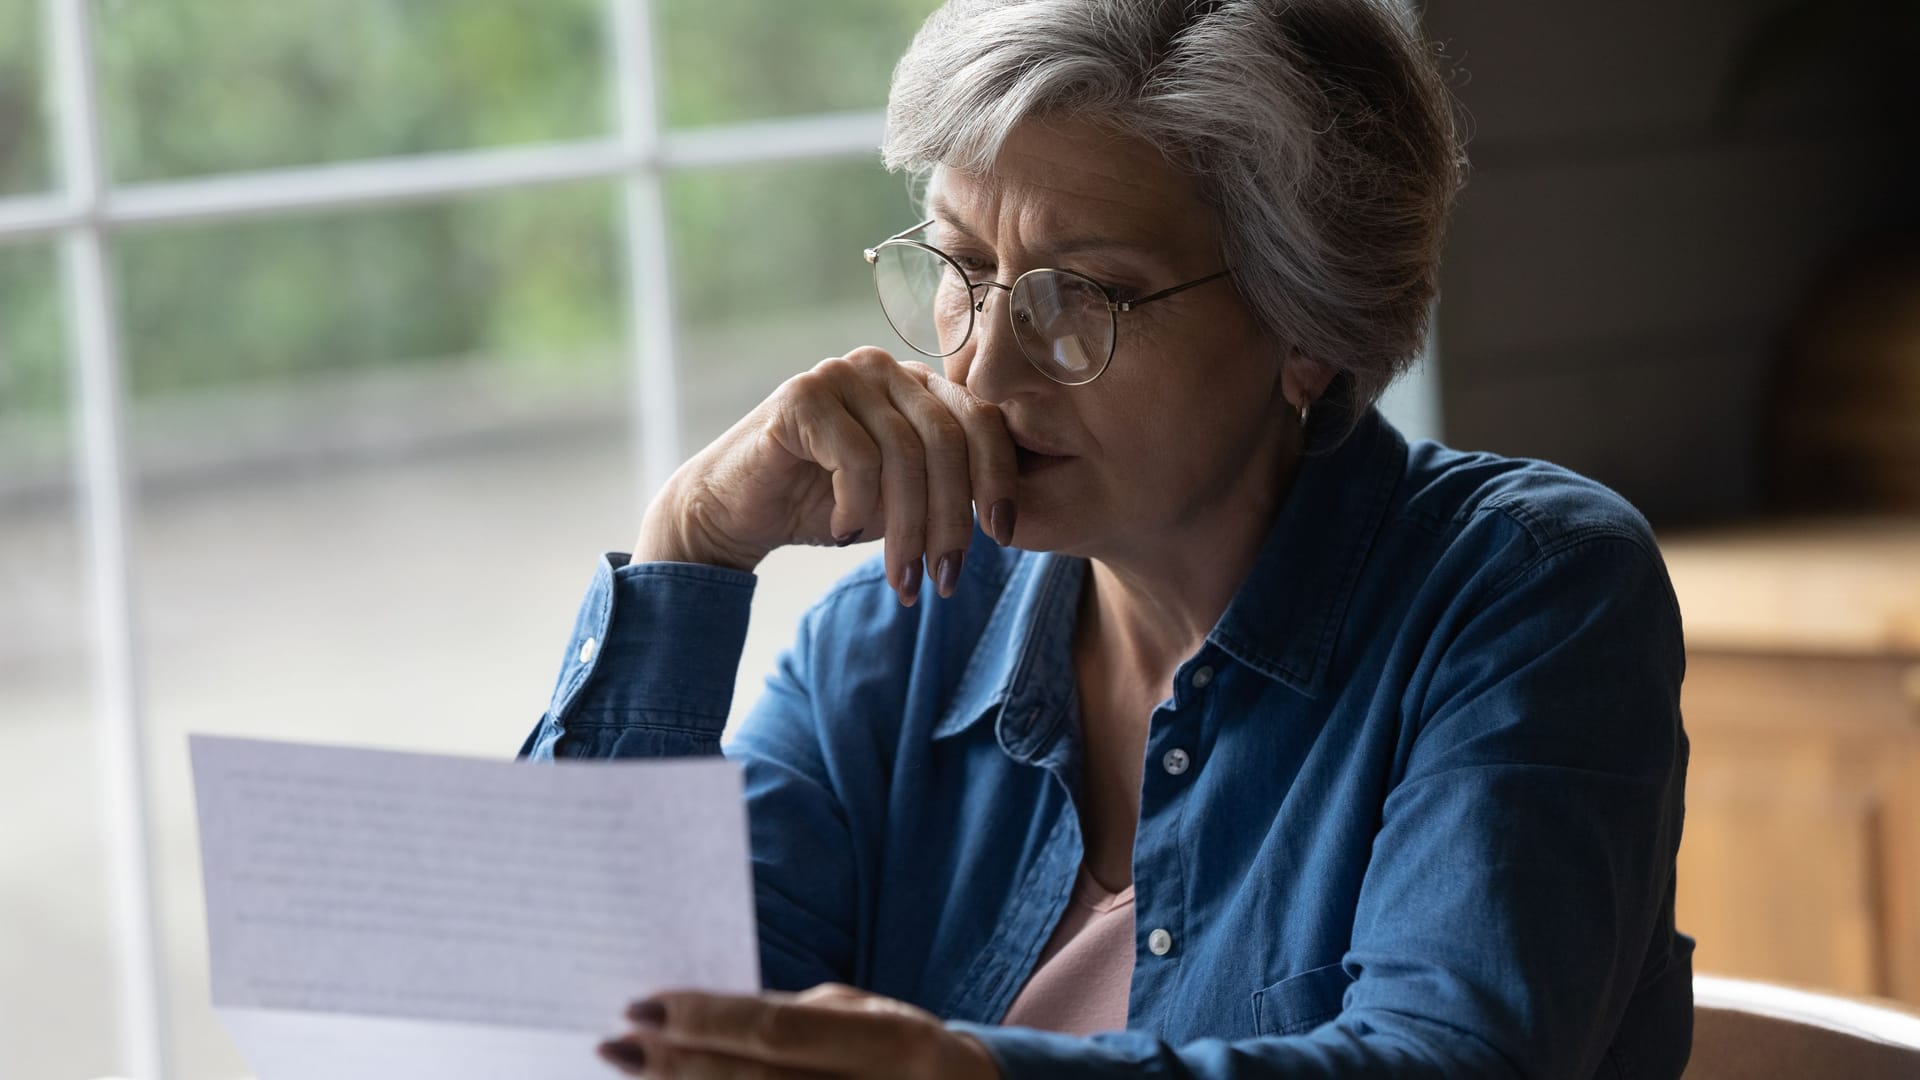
971,265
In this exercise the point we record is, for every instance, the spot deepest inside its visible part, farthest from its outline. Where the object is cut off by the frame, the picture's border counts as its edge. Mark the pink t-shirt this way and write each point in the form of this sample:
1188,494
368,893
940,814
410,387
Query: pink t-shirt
1080,984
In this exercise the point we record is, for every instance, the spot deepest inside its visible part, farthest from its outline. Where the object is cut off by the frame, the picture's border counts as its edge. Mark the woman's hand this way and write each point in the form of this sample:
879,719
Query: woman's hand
828,1031
861,447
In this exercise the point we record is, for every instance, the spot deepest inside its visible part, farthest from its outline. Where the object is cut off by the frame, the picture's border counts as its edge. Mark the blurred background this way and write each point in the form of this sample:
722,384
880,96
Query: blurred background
338,337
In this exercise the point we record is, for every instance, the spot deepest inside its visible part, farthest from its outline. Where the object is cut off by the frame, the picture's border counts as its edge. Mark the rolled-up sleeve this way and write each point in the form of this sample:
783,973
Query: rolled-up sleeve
649,669
649,672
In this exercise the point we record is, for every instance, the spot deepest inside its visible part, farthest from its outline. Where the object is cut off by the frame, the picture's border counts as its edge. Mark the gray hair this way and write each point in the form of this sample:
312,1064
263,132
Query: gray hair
1320,131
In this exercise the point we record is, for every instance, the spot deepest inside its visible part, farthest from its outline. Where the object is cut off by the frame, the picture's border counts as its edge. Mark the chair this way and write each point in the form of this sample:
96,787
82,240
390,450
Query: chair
1759,1031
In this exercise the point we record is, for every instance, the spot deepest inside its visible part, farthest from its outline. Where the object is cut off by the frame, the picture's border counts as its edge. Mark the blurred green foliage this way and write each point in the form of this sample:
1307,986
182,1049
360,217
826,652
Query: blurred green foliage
730,60
750,242
529,278
33,374
25,156
203,86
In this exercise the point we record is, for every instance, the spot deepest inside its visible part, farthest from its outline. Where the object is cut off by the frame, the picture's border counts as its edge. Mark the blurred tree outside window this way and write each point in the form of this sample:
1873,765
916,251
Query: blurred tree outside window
26,156
199,87
33,364
191,87
727,61
524,279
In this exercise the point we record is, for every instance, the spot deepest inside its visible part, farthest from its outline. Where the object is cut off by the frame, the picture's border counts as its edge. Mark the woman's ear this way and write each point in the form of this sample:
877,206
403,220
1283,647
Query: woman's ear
1303,379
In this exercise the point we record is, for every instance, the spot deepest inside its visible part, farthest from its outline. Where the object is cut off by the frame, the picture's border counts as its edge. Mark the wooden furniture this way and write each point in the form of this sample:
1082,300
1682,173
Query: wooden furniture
1746,1030
1801,858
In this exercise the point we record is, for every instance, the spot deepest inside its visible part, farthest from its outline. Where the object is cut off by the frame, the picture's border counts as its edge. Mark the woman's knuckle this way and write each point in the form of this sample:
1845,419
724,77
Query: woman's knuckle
916,1047
899,437
834,369
948,432
808,387
911,470
965,404
772,1030
795,385
863,458
870,358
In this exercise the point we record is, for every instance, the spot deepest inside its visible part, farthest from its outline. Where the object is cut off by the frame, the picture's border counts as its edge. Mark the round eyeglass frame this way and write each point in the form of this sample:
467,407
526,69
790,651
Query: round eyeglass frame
977,303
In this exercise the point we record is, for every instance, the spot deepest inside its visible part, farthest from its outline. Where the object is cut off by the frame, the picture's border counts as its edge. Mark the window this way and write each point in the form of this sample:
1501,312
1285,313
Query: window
337,338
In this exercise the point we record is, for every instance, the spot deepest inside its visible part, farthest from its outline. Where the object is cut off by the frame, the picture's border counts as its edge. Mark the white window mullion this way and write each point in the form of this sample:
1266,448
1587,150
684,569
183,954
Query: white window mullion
654,402
414,178
36,216
93,336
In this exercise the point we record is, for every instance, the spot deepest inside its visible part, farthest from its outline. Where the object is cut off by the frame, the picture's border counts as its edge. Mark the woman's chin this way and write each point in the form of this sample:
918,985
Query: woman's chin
1050,522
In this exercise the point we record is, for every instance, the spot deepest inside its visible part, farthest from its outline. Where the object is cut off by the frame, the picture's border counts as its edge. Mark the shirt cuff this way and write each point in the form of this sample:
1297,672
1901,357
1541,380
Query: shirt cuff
1047,1055
655,643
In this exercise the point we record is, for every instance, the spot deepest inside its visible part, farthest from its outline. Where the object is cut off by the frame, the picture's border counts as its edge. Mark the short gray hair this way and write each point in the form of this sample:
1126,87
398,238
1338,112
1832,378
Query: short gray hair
1321,131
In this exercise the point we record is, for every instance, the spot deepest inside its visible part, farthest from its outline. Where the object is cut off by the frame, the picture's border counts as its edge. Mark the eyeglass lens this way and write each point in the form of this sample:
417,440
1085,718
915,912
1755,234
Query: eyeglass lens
1061,320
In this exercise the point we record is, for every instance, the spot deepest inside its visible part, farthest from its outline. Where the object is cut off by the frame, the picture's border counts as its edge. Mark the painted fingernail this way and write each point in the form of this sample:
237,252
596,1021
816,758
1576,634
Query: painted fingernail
1000,521
947,574
624,1054
647,1013
910,586
850,538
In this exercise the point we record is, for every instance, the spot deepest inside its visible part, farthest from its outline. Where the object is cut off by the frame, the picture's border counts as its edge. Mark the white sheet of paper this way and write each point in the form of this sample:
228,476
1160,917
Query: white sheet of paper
381,914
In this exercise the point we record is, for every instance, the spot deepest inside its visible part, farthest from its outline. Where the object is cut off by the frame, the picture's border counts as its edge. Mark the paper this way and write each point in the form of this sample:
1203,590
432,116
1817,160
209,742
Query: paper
374,914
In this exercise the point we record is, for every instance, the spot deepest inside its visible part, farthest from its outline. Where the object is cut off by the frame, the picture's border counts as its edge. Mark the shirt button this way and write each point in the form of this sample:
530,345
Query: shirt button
1159,943
586,650
1176,761
1202,675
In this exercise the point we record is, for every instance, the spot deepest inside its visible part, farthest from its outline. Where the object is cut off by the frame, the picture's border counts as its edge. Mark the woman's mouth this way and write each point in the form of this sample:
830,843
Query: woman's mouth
1033,461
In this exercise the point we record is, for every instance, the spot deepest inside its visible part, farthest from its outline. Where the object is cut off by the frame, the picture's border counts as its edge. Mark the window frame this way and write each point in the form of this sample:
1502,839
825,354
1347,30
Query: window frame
85,212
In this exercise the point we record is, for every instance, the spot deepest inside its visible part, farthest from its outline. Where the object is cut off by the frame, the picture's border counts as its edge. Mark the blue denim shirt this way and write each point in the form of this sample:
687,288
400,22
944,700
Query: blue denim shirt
1426,823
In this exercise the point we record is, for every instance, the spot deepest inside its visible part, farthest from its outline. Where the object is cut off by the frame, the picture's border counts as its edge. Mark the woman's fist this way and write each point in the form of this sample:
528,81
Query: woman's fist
860,448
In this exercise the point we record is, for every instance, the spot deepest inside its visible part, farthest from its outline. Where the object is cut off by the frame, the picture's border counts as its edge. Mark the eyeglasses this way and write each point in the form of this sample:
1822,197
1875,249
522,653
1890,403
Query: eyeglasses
1064,321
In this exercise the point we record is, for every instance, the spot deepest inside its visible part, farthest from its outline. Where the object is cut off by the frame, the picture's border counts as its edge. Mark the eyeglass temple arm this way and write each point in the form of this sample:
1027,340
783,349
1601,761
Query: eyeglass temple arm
873,253
1129,305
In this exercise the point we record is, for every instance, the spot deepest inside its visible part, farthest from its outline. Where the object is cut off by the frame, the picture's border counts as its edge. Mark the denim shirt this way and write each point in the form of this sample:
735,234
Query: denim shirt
1411,809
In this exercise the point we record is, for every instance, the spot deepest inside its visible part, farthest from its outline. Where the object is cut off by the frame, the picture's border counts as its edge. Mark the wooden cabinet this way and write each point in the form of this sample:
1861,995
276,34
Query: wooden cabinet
1801,859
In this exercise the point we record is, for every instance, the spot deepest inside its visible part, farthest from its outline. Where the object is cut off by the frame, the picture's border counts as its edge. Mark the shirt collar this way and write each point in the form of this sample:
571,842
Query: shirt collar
1282,622
1012,674
1286,616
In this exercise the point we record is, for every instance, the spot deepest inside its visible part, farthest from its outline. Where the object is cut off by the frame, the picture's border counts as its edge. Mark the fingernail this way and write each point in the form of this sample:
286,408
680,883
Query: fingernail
947,574
1000,521
910,587
625,1054
647,1013
851,538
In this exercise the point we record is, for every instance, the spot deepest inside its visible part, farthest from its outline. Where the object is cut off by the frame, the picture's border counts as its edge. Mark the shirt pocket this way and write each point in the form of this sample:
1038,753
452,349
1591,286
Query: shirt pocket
1300,1002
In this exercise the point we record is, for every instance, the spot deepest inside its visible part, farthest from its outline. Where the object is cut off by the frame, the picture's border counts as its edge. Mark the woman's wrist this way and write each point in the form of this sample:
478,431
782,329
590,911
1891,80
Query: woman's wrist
673,532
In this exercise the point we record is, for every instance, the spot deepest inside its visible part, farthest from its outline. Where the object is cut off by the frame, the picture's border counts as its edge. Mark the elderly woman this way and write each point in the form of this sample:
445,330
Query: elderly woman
1227,734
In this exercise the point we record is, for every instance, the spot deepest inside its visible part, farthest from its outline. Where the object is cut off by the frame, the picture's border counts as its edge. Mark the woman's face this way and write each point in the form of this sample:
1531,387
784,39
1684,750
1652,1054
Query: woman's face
1188,423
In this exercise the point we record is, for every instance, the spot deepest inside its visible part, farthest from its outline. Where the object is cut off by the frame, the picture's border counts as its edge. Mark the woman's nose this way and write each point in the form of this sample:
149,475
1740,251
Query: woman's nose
991,365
